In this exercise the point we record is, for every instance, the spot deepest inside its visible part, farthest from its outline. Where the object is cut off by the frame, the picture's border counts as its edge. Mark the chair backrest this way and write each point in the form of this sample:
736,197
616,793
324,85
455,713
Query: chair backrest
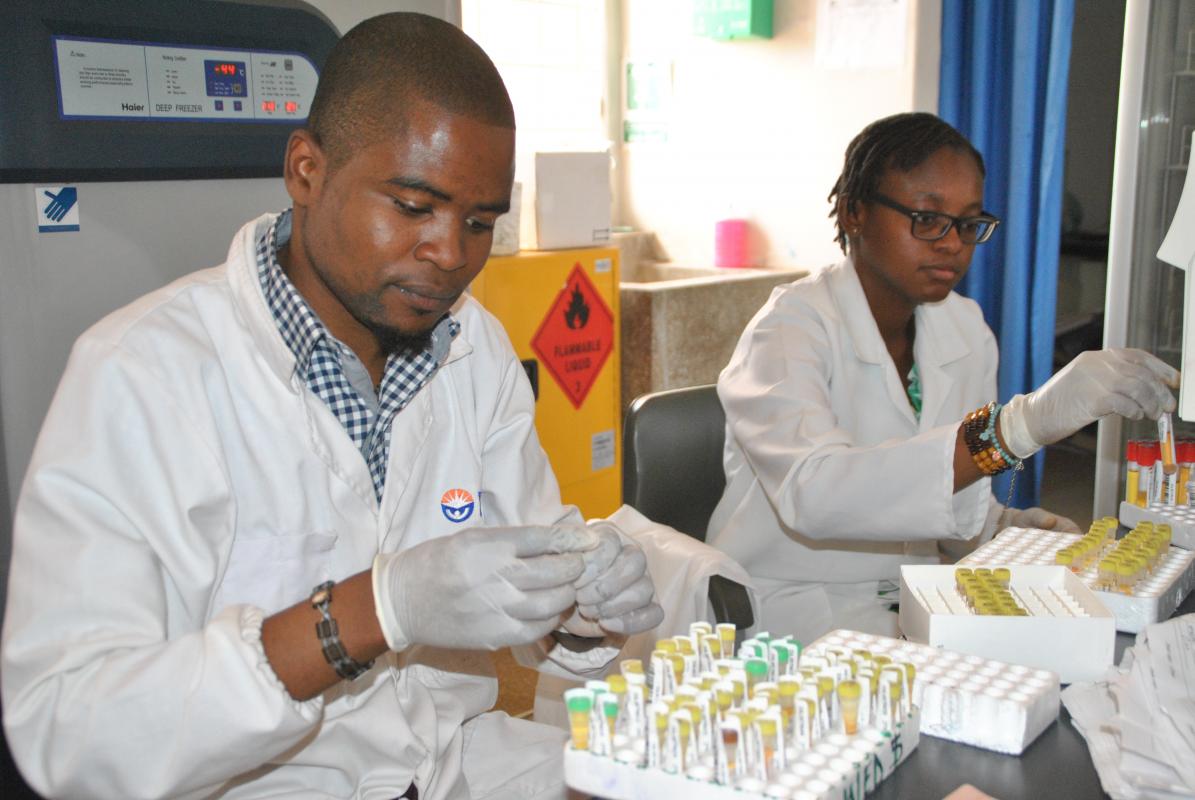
672,457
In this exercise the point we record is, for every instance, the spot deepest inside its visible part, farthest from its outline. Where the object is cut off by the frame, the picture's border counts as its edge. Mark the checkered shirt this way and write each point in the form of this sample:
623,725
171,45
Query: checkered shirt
318,356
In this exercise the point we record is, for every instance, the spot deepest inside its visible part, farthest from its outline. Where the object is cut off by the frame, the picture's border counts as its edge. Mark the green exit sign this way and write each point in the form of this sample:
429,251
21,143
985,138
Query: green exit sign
733,19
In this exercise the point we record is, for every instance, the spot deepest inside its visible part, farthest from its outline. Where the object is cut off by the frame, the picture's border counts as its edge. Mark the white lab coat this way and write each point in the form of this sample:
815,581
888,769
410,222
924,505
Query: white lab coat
832,483
185,484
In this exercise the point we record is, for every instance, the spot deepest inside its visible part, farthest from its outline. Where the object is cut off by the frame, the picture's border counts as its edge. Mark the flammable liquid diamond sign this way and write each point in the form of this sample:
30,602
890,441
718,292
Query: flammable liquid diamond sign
576,336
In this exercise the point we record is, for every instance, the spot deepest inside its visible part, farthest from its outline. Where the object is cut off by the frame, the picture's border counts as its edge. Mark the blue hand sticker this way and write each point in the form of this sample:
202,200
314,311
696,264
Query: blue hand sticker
61,203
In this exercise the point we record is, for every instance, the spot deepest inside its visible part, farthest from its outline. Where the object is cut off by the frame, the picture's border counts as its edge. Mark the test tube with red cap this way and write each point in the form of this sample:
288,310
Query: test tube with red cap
1149,488
1186,459
1132,481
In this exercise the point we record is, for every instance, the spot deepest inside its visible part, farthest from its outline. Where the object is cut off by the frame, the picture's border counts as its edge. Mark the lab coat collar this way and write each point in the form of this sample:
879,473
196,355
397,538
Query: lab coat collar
251,301
939,339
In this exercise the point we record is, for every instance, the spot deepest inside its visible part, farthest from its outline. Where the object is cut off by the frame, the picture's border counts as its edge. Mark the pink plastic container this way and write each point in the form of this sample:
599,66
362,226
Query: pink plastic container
731,246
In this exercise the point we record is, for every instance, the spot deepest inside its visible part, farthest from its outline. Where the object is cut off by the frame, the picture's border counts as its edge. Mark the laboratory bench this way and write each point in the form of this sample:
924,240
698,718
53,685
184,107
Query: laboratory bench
1056,765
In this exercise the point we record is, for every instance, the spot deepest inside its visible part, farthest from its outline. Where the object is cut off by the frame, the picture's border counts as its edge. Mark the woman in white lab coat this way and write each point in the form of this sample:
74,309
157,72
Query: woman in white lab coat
862,427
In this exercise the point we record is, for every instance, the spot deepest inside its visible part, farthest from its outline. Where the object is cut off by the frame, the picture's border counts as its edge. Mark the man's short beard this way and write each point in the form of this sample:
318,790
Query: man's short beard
394,342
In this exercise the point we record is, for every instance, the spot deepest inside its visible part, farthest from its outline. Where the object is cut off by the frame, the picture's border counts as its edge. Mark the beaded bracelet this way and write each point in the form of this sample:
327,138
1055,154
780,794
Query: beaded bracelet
989,436
979,433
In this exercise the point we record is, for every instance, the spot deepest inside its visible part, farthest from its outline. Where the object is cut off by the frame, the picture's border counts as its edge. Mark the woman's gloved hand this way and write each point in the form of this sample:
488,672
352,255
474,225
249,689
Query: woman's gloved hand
482,588
1131,383
614,593
1039,518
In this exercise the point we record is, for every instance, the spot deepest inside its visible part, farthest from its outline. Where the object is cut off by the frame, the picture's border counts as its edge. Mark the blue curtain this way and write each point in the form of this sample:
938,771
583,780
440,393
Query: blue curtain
1003,84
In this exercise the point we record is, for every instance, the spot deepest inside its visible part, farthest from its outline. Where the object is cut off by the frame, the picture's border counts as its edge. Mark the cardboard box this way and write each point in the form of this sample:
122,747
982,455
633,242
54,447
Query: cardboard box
1078,648
572,202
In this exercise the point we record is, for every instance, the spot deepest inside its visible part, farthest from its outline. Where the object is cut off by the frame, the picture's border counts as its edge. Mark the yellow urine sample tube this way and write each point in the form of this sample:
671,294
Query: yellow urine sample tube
631,665
684,645
1124,576
769,737
960,576
678,666
726,632
894,694
1002,575
849,693
1064,557
714,644
724,696
579,702
910,674
769,691
1166,442
1107,576
666,645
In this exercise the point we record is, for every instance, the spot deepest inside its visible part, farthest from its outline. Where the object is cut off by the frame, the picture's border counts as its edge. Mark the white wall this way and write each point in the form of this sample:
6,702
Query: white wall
757,130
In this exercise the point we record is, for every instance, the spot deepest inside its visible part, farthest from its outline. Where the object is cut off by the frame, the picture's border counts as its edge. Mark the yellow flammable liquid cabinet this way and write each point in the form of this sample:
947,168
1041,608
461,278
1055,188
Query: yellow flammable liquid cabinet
560,309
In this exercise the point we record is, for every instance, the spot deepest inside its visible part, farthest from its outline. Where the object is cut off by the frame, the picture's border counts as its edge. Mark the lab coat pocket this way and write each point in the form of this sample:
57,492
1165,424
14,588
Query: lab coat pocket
275,572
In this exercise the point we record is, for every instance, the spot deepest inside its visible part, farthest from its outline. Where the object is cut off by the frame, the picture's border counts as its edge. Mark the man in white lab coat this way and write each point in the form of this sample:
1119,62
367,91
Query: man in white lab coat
862,427
280,508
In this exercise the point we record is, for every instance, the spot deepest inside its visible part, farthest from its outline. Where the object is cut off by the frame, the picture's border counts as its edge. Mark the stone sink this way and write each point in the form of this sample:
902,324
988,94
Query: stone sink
680,323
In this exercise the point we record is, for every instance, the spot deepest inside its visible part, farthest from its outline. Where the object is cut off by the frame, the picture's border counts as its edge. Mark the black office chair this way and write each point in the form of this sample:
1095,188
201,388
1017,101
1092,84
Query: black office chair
672,474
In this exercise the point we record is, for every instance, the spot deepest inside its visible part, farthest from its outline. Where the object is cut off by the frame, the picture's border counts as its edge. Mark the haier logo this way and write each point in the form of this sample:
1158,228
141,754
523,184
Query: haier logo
132,106
457,505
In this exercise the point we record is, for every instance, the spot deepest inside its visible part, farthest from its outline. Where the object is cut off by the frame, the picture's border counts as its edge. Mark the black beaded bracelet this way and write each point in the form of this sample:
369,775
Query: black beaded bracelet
329,636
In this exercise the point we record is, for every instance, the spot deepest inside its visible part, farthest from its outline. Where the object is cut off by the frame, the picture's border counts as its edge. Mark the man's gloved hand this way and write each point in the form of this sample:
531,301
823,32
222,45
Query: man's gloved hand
1128,382
614,592
482,588
1039,518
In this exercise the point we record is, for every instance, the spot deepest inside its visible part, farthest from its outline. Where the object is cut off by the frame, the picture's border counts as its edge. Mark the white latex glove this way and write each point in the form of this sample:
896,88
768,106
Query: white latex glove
614,593
1039,518
1131,383
482,588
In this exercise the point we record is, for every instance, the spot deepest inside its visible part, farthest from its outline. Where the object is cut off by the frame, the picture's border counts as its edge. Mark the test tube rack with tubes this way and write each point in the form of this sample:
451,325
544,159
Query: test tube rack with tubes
1059,624
1153,598
1159,471
1181,520
768,720
968,699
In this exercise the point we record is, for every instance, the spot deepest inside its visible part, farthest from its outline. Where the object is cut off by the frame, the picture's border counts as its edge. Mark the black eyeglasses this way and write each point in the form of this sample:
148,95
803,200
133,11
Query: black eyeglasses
931,226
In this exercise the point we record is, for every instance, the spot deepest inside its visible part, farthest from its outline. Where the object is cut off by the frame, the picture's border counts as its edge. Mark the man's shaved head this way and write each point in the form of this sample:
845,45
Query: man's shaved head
390,62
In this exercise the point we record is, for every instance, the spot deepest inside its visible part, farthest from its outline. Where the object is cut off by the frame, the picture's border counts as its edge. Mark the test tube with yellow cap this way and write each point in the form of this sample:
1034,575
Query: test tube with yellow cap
726,632
849,694
1169,459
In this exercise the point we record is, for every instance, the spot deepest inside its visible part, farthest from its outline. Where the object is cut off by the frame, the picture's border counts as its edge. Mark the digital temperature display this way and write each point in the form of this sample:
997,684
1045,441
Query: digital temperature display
225,78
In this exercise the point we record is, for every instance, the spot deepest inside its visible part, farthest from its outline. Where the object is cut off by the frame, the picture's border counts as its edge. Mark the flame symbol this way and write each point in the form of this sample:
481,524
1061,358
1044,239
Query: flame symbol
577,310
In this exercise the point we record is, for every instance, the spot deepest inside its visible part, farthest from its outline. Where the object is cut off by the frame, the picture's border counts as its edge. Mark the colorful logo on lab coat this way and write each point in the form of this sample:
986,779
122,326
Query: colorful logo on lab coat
457,505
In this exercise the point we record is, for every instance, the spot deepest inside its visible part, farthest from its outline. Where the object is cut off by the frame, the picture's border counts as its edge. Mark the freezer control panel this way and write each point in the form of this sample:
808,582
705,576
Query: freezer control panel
123,80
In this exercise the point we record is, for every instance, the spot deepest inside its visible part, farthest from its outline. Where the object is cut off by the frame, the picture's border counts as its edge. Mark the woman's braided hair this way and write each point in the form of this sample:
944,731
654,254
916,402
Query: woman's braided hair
901,142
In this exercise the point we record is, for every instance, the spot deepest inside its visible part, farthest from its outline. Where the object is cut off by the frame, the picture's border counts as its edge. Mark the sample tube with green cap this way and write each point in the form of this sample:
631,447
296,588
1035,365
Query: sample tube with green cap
757,672
579,703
